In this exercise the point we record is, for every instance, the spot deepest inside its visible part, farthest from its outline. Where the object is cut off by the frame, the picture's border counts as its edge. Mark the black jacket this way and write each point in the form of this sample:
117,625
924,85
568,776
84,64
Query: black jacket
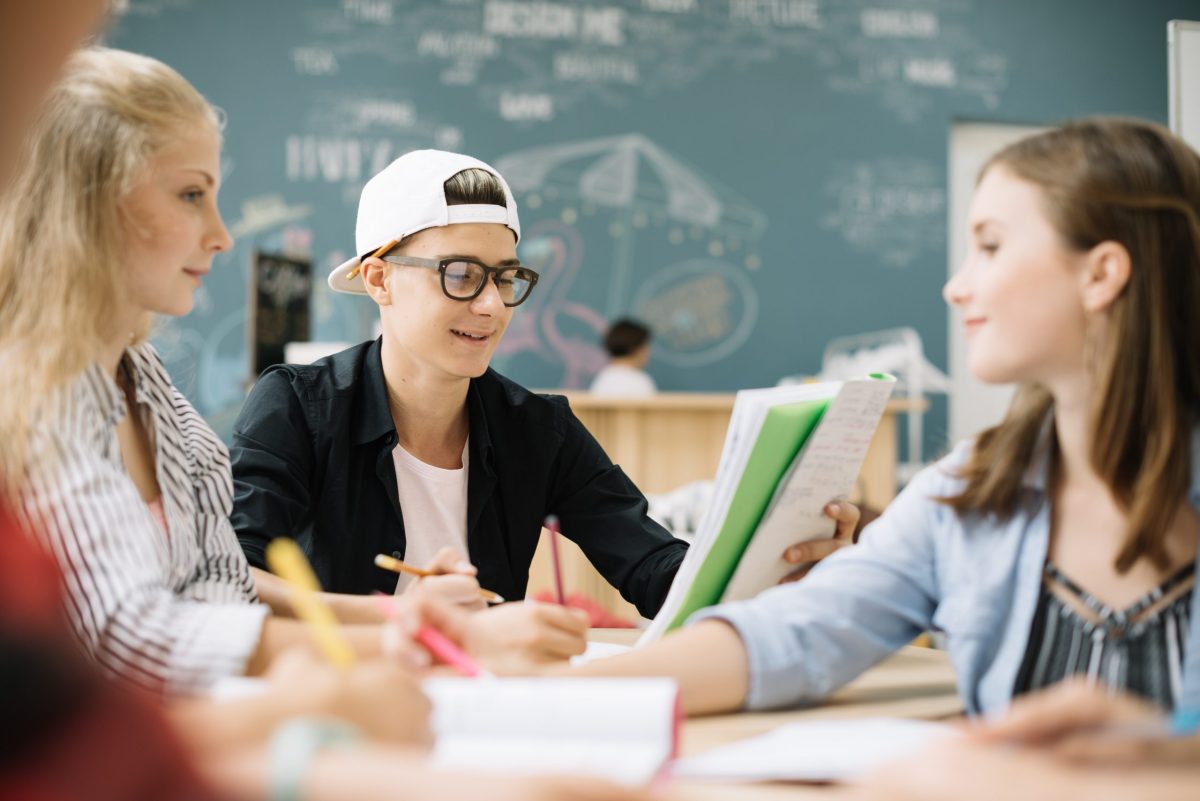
312,459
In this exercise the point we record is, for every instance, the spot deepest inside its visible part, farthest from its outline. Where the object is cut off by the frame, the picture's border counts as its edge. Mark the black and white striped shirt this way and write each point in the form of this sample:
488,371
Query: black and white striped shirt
1138,650
175,611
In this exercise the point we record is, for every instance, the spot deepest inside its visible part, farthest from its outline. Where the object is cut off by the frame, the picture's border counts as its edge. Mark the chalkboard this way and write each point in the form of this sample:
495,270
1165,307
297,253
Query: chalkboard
281,293
753,177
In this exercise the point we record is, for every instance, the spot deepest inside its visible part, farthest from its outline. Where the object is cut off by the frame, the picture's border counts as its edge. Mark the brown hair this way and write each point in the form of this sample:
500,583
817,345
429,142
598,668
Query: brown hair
1134,183
471,186
625,336
474,186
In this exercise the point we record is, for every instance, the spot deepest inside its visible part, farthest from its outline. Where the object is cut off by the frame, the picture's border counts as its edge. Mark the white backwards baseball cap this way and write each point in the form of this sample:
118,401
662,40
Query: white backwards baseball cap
409,196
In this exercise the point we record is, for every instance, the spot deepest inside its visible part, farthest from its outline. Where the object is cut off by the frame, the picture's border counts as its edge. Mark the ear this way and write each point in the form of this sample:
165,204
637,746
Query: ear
1106,273
374,273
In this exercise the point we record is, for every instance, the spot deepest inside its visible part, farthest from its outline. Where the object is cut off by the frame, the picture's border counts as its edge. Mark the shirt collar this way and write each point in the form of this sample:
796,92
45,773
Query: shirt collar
98,387
1037,474
101,389
1194,480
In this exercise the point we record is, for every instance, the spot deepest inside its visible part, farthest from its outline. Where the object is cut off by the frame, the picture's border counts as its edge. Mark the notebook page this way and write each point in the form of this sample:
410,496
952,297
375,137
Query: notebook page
826,468
596,726
749,413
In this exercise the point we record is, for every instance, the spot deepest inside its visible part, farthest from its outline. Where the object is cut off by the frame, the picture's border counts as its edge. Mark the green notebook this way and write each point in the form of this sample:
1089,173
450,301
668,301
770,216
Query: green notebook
788,452
783,433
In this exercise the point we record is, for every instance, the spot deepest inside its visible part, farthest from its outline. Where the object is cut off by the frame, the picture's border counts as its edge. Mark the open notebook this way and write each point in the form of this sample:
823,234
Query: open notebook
625,730
788,451
622,729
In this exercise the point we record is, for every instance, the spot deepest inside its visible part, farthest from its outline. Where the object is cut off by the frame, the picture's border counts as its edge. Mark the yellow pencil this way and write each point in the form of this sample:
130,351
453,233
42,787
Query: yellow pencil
396,566
287,561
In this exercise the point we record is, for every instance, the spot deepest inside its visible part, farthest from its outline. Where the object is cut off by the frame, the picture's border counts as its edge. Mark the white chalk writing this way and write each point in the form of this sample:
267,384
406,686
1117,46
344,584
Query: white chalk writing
782,13
892,23
314,61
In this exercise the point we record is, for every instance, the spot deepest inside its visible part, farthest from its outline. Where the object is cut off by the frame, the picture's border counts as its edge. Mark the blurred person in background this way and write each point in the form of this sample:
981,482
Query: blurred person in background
628,344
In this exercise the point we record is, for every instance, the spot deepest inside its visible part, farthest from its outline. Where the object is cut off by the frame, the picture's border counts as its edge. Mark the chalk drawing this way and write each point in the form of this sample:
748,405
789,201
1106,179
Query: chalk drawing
635,178
550,324
701,311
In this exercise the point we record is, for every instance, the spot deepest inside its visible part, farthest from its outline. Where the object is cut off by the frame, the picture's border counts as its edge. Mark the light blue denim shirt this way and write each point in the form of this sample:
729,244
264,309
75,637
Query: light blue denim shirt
921,566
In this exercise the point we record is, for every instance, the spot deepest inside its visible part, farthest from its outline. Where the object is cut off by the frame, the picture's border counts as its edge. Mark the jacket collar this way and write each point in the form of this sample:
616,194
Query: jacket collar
481,435
373,416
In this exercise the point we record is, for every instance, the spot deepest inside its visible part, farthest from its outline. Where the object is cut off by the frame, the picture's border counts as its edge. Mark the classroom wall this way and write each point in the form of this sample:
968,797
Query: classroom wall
754,177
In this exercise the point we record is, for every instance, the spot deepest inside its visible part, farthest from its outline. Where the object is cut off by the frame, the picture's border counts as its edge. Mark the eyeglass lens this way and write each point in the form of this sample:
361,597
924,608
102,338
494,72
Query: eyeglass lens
464,279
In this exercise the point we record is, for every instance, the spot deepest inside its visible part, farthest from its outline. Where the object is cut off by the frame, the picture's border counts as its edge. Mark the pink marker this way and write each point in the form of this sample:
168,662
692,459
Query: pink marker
441,646
552,524
435,642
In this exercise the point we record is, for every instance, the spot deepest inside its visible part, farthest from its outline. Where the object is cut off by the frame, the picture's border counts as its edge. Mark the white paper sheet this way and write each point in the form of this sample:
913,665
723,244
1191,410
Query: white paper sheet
824,750
620,729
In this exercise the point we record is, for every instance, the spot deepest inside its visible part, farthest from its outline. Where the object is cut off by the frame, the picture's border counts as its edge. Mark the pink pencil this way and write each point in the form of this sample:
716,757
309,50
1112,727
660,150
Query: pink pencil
436,643
444,649
552,525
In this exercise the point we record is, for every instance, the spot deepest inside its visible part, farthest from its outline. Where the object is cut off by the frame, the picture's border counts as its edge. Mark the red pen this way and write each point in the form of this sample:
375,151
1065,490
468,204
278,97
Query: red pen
436,643
552,525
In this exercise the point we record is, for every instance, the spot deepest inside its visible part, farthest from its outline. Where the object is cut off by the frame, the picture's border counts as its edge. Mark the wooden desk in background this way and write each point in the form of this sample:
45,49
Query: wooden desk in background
670,439
914,683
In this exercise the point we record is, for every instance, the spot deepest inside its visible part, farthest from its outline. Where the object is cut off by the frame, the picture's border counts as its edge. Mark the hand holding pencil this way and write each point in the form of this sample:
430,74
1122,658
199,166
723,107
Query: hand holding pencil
287,561
510,639
447,576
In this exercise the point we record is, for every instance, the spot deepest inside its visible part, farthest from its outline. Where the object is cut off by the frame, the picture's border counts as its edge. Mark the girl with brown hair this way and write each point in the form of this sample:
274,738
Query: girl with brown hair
1064,540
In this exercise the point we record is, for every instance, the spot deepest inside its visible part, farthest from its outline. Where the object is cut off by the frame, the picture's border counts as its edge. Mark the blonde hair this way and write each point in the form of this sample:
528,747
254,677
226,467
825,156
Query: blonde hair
1137,184
61,226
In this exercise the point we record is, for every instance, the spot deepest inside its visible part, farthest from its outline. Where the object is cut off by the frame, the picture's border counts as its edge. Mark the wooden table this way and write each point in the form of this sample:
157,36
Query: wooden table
914,683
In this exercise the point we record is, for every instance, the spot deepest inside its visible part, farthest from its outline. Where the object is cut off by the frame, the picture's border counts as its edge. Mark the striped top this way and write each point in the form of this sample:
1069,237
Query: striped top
1138,649
169,613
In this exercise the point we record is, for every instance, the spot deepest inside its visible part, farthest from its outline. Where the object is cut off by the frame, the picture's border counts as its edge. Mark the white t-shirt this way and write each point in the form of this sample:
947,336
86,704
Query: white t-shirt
617,379
433,501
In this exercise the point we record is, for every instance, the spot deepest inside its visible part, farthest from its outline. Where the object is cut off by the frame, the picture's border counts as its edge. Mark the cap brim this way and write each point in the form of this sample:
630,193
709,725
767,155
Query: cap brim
339,282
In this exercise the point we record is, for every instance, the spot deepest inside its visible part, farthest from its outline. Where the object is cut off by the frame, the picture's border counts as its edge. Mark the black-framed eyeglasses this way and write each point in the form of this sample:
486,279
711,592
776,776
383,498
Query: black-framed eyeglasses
463,278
